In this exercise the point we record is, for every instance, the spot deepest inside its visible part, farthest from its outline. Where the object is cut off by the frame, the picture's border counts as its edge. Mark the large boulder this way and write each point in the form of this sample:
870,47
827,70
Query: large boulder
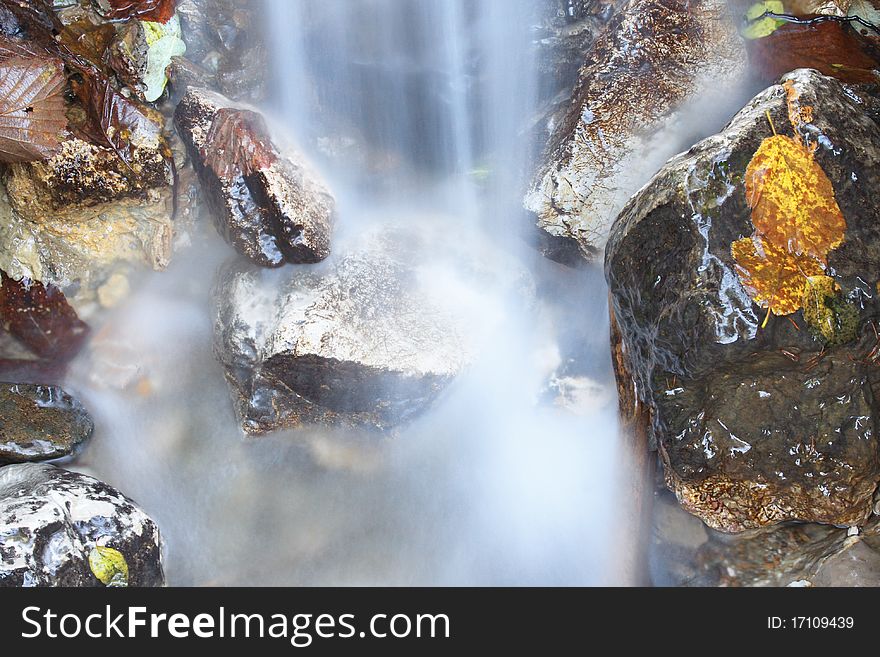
360,342
754,425
270,206
51,520
652,59
39,423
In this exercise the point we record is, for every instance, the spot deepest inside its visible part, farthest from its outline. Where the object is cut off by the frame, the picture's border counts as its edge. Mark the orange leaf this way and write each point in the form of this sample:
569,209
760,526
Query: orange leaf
773,276
792,200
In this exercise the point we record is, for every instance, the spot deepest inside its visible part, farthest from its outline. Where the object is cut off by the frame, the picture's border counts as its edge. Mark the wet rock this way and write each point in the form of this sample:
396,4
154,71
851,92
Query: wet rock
51,519
781,556
676,537
790,555
359,343
76,219
223,37
81,256
141,53
39,423
40,319
75,184
754,426
654,57
270,206
856,564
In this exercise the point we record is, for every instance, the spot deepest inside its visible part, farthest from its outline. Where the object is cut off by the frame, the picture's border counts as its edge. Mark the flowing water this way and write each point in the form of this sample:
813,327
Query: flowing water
412,110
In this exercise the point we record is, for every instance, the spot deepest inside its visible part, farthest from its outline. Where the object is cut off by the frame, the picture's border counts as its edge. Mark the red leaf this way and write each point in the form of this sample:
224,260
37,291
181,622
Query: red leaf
159,11
40,318
32,108
238,144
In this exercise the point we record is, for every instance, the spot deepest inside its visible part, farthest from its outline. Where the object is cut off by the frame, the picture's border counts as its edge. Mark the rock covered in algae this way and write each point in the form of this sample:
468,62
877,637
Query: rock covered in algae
270,206
52,519
653,57
39,423
754,426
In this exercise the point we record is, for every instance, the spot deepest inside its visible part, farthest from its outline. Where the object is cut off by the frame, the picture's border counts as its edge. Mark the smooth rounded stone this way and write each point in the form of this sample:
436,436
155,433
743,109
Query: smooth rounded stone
270,206
653,58
367,339
754,426
39,422
51,519
356,346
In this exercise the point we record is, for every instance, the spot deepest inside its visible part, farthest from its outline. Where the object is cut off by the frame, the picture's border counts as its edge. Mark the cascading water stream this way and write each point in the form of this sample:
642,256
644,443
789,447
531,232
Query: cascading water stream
412,109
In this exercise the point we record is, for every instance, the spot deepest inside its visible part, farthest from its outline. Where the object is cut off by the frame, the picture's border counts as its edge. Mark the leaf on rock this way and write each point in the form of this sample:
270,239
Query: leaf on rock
792,200
40,318
158,11
758,27
116,122
109,566
88,40
32,108
238,143
773,277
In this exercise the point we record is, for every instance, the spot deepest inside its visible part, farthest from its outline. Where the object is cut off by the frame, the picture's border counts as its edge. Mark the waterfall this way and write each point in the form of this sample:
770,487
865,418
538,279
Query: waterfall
412,110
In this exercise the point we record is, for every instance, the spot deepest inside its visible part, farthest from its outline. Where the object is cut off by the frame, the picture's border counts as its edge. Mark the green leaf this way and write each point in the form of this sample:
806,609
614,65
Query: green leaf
760,27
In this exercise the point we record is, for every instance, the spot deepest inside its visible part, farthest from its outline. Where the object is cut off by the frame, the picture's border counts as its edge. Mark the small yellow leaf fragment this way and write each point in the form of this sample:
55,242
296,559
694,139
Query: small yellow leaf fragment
109,566
792,200
773,277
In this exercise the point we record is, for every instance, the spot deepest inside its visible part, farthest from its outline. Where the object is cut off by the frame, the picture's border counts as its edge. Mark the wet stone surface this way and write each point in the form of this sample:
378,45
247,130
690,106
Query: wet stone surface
270,206
356,344
754,426
39,423
51,519
600,152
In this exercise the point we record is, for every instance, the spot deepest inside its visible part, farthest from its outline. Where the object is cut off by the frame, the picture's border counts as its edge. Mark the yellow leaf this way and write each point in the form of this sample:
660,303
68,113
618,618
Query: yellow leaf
792,200
773,277
109,566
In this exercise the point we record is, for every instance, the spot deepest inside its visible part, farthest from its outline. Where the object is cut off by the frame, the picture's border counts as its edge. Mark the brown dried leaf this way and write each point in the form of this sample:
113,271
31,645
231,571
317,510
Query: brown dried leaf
773,276
792,200
32,109
116,122
238,144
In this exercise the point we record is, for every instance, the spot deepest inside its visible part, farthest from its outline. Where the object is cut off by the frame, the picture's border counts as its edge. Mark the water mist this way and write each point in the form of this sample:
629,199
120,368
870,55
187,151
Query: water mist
413,110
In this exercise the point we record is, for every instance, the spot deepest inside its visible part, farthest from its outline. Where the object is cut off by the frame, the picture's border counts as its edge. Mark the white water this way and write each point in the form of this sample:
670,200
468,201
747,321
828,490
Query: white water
496,484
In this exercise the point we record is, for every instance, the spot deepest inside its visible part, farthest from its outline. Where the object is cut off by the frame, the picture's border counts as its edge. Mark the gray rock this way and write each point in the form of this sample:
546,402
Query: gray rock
653,57
51,519
754,426
357,343
856,564
39,422
270,206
